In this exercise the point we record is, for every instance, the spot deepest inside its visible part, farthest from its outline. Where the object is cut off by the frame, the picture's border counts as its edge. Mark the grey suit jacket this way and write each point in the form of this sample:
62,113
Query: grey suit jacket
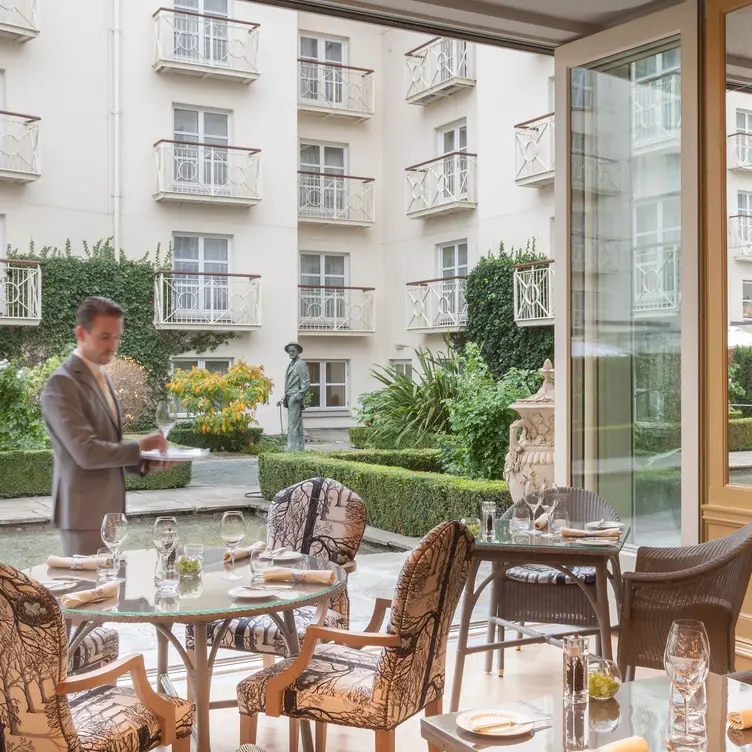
90,456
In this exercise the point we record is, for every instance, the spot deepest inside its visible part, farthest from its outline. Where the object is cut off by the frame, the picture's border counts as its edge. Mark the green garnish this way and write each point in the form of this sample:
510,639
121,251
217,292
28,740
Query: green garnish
188,566
602,685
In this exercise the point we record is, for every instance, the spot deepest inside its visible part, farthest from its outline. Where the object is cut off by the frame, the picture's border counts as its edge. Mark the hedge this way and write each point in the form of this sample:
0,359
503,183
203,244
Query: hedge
398,500
239,441
740,435
362,437
359,436
423,460
29,473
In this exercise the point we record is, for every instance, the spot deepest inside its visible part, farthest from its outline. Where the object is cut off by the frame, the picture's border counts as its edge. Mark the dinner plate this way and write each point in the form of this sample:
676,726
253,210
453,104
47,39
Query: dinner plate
610,542
286,556
465,722
176,454
605,525
59,585
253,594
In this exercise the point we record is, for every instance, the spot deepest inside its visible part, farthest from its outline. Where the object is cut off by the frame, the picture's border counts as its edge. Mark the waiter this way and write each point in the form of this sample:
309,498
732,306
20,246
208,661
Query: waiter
83,416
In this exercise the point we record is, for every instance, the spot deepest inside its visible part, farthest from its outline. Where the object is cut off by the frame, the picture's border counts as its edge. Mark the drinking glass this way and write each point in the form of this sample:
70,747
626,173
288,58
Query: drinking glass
167,416
687,659
114,531
106,565
519,523
559,522
260,562
533,500
549,502
698,705
233,531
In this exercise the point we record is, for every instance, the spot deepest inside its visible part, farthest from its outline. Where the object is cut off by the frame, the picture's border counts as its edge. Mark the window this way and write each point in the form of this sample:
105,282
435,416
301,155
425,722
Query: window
321,303
328,384
744,121
202,39
322,184
203,263
453,269
452,60
744,202
656,113
213,365
321,81
453,141
403,367
747,299
200,156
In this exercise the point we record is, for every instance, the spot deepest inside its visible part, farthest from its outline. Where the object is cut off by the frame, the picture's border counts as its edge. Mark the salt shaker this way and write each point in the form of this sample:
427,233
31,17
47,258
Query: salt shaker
575,670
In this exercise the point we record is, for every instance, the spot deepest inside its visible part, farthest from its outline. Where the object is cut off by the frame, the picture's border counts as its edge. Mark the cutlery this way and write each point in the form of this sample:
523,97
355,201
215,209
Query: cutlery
509,724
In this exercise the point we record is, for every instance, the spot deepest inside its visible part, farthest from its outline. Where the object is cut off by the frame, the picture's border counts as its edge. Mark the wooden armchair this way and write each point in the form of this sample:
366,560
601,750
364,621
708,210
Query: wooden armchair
339,683
35,712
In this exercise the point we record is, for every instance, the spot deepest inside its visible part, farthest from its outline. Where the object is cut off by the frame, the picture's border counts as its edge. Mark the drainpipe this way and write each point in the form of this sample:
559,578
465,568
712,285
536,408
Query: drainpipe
116,232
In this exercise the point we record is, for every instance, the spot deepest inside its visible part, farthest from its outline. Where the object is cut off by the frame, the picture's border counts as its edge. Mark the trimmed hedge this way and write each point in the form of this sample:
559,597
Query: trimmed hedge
359,436
423,460
239,441
398,500
740,435
30,474
362,437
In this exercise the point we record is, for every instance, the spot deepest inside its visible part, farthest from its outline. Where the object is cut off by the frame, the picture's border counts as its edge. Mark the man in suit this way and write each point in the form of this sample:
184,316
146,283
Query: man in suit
297,384
82,413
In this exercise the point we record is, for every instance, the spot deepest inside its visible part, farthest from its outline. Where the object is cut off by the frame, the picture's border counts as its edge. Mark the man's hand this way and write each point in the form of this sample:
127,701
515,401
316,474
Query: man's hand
153,441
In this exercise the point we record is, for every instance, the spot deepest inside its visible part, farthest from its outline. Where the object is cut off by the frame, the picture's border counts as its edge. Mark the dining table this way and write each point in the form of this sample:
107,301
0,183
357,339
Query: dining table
199,601
511,549
640,708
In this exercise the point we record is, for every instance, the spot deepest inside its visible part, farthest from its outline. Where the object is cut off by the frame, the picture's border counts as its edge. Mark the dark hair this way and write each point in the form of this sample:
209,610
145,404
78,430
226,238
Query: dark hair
96,306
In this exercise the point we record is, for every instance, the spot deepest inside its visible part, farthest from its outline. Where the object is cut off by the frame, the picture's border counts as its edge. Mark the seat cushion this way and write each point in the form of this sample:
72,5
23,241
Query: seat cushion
260,634
112,718
541,575
100,647
336,687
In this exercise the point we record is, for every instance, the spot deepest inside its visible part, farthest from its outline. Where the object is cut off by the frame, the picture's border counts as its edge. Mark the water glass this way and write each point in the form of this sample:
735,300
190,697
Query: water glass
559,522
233,532
114,531
107,568
260,562
520,521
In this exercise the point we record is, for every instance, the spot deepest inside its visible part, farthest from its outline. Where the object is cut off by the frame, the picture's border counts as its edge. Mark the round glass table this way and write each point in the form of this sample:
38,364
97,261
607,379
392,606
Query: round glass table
199,602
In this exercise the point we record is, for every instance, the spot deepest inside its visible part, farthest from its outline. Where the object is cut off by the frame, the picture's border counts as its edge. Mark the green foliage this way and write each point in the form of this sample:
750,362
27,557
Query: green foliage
360,436
741,373
402,501
480,416
423,460
740,435
235,441
29,473
656,438
490,315
365,437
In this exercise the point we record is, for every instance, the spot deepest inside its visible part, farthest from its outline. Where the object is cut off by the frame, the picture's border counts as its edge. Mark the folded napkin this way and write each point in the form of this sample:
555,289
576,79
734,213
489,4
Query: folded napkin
74,600
541,522
571,532
633,744
245,552
316,576
485,721
741,719
77,562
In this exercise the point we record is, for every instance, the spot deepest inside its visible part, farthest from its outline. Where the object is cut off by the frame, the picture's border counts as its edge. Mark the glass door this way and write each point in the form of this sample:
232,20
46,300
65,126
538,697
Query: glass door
322,182
322,78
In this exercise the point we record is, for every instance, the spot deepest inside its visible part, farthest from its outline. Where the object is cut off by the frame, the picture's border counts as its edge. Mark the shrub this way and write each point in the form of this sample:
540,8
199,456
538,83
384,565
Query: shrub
740,435
402,501
423,460
360,436
740,380
131,382
235,441
365,437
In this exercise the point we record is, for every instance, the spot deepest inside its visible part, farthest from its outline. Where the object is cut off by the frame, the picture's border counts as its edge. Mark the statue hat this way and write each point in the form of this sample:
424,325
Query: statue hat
294,344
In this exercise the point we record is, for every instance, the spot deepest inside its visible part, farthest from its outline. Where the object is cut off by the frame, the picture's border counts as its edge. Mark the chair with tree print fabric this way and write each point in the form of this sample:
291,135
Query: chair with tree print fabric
35,711
339,683
318,517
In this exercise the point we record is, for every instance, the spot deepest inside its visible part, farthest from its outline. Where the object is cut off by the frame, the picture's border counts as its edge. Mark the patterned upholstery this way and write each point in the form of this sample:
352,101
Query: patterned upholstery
318,517
378,691
100,647
542,575
33,661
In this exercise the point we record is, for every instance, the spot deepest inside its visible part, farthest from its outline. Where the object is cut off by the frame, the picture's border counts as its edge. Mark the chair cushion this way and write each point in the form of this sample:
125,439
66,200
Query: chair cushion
112,718
541,575
260,634
100,647
336,687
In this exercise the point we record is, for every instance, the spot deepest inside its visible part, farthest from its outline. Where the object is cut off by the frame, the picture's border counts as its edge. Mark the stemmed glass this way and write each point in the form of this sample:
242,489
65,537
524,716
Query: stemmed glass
687,660
233,532
165,538
114,531
549,501
533,500
167,416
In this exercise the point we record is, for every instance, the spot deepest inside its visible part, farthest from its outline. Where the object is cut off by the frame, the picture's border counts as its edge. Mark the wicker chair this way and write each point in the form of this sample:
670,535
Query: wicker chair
706,582
535,593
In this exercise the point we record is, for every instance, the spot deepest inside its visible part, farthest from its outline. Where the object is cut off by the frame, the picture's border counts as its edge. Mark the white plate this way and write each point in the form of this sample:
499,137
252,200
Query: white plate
176,454
609,542
253,594
605,525
464,721
286,556
59,586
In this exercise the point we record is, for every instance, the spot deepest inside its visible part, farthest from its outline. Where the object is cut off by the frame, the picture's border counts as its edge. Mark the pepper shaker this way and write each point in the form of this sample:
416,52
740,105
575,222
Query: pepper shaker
575,670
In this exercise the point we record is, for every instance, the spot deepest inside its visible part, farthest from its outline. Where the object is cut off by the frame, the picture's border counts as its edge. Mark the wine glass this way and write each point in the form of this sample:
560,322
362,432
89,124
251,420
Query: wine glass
167,416
233,533
549,501
687,661
114,531
533,500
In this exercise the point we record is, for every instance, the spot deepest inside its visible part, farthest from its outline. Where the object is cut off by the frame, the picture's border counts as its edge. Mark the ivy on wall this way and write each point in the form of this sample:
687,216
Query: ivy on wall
67,279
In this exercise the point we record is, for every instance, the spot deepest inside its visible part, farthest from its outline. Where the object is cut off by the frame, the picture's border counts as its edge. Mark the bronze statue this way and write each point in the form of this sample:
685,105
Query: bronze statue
297,384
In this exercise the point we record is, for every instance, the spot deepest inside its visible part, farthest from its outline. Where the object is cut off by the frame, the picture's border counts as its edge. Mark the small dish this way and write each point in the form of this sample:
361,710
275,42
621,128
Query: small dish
519,727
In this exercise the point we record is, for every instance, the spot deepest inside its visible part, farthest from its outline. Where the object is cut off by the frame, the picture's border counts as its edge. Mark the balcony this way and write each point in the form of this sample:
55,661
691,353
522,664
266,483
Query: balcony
739,151
335,199
533,293
19,147
656,114
18,20
326,309
195,301
437,305
207,173
335,90
595,175
656,282
206,46
442,186
740,236
20,292
534,151
438,68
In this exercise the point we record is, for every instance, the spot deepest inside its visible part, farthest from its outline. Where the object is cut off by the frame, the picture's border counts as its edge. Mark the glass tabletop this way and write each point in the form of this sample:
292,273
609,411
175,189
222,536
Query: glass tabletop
198,599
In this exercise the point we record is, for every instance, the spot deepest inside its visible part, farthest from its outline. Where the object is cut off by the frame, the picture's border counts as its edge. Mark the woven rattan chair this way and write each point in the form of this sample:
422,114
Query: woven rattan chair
706,582
541,594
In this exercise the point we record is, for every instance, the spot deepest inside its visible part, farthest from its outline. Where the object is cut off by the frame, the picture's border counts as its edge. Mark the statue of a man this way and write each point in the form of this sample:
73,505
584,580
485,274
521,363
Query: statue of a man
297,384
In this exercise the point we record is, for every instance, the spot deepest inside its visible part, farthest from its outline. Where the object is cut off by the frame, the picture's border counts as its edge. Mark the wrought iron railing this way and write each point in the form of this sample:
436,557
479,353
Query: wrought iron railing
656,279
740,235
437,64
221,172
656,110
534,291
739,155
534,149
198,39
328,308
20,292
332,87
442,182
20,14
19,144
438,304
188,300
335,198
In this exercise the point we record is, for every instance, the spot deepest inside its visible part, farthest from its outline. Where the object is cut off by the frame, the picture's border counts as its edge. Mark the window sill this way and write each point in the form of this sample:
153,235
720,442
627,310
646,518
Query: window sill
326,411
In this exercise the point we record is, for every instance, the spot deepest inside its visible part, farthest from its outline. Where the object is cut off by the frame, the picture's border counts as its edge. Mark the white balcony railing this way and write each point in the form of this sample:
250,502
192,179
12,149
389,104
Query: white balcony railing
740,236
442,185
437,305
534,151
598,175
335,199
207,173
206,45
656,281
19,147
533,293
739,154
656,112
328,309
18,20
334,89
20,292
438,68
196,300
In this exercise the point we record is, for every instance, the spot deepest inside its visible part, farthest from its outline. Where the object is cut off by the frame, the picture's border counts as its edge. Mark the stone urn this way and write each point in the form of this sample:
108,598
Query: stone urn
531,439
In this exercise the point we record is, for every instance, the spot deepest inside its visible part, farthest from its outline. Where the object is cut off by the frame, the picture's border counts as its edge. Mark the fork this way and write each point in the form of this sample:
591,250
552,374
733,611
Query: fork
510,724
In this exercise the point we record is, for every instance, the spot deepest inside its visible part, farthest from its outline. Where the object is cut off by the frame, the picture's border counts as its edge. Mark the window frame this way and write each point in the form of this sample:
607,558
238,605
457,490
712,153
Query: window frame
322,384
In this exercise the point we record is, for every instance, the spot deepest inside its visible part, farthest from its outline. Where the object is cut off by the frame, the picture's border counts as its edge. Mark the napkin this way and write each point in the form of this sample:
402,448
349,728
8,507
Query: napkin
316,576
571,532
541,522
741,719
74,600
633,744
486,721
245,552
77,562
